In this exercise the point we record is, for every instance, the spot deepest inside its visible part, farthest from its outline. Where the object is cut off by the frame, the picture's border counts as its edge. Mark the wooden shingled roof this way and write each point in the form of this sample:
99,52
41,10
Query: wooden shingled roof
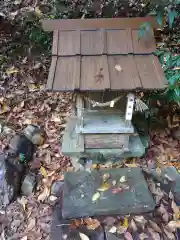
100,54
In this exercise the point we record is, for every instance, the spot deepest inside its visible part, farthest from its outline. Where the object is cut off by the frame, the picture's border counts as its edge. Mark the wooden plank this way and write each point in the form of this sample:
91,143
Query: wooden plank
55,43
73,144
94,73
145,44
150,72
68,43
104,122
130,41
51,75
127,77
118,42
89,24
91,43
106,140
104,41
67,73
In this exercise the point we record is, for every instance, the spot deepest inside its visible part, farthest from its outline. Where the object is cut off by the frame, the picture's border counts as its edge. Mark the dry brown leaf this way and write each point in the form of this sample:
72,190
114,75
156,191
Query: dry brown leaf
83,236
175,208
44,146
154,234
109,221
133,225
155,227
44,194
93,225
169,234
174,225
12,70
128,236
31,224
143,236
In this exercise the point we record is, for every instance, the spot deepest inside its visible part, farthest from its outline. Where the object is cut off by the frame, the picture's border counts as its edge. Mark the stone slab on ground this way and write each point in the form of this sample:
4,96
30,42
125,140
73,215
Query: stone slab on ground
106,192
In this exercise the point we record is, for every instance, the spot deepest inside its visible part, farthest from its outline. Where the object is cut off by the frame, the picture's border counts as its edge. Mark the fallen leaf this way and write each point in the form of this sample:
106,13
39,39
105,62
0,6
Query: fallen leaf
83,236
174,225
43,172
23,201
122,179
12,70
45,146
118,68
93,225
133,225
175,208
154,234
96,196
114,182
143,236
109,221
44,194
104,187
38,12
31,224
128,236
105,177
155,227
125,222
24,238
121,229
158,170
131,165
169,234
52,198
113,229
116,190
4,108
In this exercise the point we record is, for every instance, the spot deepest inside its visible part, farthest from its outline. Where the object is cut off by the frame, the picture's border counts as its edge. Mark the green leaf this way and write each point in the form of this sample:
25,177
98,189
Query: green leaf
173,79
160,18
144,29
177,91
158,53
172,15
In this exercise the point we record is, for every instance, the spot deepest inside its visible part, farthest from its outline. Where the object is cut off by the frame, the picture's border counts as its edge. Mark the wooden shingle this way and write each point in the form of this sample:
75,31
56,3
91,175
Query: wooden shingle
99,55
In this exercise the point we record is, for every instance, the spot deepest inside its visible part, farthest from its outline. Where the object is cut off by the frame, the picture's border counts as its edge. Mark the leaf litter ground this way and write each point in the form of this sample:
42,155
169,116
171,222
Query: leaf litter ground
23,101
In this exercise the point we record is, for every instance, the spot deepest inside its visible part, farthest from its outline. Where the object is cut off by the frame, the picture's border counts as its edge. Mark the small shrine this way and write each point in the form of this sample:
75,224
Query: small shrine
107,67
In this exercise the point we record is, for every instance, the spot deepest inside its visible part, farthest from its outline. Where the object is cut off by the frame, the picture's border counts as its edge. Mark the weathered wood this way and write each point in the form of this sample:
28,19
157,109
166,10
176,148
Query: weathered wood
90,24
106,140
104,121
73,144
55,43
51,76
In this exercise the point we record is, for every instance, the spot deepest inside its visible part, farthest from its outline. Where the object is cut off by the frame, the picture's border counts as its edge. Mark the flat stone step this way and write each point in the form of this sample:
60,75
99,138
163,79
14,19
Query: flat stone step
125,191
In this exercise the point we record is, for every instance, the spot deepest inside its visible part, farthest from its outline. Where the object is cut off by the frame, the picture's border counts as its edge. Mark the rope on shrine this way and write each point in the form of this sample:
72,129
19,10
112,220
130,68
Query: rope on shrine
105,104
